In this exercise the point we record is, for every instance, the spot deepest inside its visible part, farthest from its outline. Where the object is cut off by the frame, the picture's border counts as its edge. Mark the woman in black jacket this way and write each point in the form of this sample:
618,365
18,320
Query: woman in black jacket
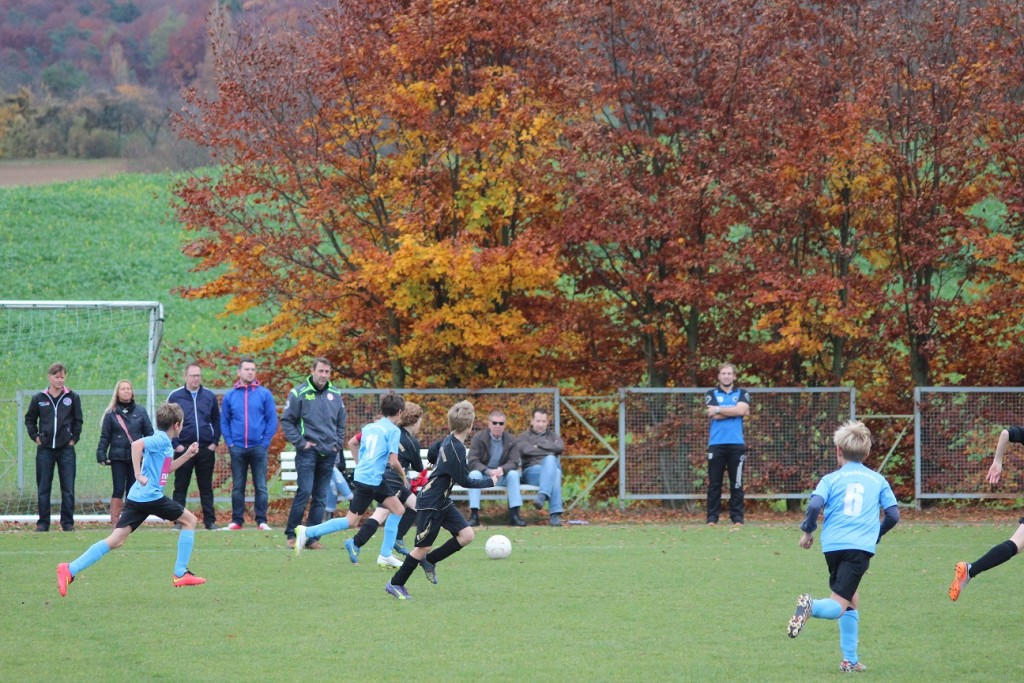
124,421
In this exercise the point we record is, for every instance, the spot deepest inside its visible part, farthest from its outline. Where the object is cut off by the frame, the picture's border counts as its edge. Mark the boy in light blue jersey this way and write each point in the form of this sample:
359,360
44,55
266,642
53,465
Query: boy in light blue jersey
851,497
153,460
378,449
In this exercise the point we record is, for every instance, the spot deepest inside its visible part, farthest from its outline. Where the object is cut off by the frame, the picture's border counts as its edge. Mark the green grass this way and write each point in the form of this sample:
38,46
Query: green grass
594,603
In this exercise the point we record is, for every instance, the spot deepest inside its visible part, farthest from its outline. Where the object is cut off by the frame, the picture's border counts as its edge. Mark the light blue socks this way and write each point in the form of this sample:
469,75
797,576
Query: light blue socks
848,626
331,526
826,608
387,545
90,557
186,539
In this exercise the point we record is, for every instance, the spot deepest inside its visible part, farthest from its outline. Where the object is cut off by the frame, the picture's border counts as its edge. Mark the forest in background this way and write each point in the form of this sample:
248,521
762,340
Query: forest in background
100,78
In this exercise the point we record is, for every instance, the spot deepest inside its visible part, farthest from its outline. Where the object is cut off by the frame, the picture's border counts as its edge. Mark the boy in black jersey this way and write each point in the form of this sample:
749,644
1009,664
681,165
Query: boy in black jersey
434,507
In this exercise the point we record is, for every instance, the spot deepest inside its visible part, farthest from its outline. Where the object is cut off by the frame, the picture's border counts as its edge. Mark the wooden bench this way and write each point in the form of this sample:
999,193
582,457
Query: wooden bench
289,479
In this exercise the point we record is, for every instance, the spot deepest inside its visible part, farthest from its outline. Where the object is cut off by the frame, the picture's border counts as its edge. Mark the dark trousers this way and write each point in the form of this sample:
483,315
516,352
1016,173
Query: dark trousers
122,473
720,458
313,478
202,463
64,460
242,460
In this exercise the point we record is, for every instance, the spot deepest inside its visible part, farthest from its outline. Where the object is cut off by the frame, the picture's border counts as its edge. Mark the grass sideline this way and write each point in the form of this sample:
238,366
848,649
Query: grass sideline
592,603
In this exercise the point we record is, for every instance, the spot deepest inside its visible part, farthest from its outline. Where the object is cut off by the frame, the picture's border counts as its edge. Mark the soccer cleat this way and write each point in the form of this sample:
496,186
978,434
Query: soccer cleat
263,526
64,578
389,562
960,579
353,551
430,570
847,667
188,579
800,617
233,527
397,591
300,539
400,547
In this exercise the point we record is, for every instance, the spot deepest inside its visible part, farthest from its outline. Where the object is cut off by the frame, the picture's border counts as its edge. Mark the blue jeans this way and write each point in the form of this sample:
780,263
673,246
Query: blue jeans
242,460
339,489
510,480
547,476
313,473
64,459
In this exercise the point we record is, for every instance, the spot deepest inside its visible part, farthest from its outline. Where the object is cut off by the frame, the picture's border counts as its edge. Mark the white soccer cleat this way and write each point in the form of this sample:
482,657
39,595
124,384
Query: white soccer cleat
300,539
390,562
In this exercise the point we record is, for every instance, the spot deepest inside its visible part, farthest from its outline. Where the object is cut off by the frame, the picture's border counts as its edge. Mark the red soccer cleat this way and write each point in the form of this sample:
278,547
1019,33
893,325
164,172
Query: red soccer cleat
64,578
188,579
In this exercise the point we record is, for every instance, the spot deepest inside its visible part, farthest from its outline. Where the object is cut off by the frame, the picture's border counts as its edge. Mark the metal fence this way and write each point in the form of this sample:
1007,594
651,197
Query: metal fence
664,436
956,429
658,448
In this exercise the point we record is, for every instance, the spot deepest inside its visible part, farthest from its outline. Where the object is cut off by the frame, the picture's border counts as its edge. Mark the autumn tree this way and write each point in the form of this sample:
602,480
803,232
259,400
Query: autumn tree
384,187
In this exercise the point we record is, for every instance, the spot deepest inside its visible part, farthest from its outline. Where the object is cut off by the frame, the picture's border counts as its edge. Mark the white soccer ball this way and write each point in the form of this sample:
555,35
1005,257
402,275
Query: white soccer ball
498,547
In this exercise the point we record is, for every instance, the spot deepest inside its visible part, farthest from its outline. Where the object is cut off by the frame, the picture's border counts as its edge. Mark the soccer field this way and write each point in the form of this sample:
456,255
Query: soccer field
590,603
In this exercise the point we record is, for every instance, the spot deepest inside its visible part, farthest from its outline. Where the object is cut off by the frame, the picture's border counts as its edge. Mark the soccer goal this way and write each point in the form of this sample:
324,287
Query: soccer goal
100,342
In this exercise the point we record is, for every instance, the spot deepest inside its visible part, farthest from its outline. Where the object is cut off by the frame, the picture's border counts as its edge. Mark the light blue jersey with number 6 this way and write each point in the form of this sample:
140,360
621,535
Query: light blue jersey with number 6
854,496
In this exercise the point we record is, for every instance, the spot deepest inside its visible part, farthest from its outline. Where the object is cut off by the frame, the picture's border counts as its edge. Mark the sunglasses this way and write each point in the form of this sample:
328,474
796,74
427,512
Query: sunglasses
496,423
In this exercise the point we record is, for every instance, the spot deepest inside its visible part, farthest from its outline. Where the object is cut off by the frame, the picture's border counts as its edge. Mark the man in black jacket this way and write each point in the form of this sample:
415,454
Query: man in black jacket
54,422
202,426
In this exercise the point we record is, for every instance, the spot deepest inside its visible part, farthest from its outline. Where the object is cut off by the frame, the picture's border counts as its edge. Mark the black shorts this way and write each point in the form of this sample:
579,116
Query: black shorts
364,494
135,512
430,522
845,570
396,485
1016,434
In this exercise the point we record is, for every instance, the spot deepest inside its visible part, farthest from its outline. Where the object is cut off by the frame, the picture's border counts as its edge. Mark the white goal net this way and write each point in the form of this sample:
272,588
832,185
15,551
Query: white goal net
100,342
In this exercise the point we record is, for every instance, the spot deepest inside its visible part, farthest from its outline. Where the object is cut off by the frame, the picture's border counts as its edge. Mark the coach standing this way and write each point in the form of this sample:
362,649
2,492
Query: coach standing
727,405
314,421
202,426
248,420
54,422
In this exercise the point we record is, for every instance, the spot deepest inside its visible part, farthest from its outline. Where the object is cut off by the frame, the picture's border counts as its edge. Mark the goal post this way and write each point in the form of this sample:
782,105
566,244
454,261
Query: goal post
101,342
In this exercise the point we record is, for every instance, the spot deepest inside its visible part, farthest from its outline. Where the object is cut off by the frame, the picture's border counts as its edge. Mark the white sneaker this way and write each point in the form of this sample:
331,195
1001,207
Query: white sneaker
389,561
300,538
265,527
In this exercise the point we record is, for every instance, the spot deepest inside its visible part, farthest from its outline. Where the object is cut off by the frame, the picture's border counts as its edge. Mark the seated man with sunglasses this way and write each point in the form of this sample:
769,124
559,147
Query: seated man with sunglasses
491,453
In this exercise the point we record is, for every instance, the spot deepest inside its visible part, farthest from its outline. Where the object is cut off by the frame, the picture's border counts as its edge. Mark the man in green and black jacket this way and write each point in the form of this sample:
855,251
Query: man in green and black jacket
314,421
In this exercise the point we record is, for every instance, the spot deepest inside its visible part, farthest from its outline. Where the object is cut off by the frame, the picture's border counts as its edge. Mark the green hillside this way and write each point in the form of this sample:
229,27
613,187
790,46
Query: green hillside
110,239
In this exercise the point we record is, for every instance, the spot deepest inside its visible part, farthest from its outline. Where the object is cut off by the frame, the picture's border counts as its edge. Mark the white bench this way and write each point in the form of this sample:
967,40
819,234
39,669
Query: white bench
289,479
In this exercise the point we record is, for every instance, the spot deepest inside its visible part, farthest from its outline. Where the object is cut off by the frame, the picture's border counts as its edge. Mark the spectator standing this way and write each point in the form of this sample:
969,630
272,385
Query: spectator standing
54,422
491,454
123,423
314,422
538,449
248,421
726,407
202,426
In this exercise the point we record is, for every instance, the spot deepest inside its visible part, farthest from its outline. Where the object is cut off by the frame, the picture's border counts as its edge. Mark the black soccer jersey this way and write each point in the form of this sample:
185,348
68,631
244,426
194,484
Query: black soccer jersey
451,469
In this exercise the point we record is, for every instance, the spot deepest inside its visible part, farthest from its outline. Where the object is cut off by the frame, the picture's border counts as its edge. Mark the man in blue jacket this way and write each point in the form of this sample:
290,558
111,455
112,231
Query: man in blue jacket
248,421
202,426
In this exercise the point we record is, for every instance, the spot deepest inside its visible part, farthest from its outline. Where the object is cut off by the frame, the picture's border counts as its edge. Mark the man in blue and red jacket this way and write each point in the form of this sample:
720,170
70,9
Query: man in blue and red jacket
248,421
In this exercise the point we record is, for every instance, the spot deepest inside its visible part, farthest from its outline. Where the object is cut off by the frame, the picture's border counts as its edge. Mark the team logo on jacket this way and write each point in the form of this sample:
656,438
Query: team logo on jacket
67,401
330,397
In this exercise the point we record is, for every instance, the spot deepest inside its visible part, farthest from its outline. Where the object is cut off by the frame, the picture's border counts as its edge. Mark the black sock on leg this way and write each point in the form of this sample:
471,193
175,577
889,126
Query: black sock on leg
450,547
404,524
405,571
993,558
366,532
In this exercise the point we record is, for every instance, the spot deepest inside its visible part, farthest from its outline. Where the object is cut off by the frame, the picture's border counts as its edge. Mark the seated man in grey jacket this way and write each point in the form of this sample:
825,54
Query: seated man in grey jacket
538,449
491,453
